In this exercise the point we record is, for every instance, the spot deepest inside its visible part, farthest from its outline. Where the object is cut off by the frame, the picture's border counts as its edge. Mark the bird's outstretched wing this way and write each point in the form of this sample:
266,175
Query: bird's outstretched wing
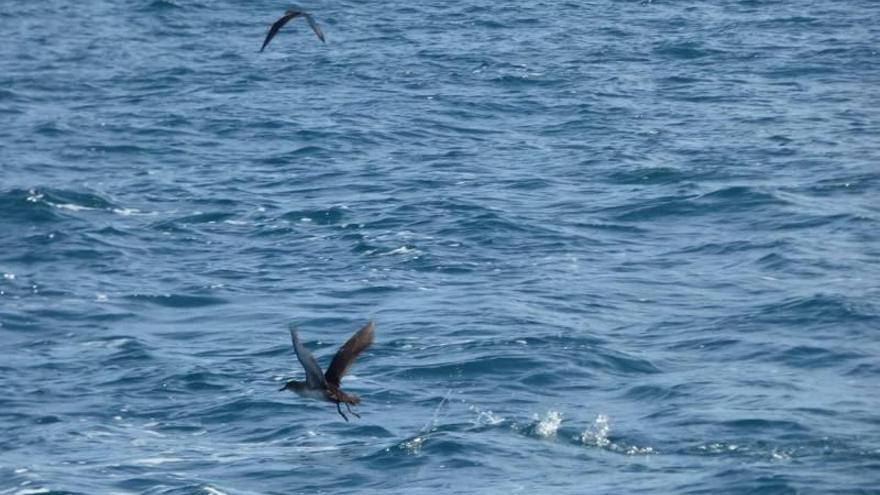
290,14
314,376
346,354
278,25
314,26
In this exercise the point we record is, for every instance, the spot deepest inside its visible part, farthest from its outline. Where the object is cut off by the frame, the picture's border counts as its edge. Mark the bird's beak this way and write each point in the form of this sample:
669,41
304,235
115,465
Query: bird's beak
282,388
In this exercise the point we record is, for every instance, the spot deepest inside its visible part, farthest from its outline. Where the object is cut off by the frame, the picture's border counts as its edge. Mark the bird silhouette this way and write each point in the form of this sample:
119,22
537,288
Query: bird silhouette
325,386
290,14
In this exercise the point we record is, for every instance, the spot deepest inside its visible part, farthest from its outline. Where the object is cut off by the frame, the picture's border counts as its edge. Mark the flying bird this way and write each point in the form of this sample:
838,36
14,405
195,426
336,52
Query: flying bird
325,386
290,14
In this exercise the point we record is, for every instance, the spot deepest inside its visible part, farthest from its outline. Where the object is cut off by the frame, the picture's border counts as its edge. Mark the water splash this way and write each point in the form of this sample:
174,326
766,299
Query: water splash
774,454
485,417
414,445
435,419
547,427
34,196
719,448
597,433
780,455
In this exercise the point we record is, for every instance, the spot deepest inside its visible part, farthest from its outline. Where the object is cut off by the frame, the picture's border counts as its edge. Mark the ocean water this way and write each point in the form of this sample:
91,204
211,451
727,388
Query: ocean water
609,247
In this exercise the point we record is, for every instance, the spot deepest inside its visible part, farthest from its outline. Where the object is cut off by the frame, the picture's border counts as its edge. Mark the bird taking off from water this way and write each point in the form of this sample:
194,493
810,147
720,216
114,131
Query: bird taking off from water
290,14
325,386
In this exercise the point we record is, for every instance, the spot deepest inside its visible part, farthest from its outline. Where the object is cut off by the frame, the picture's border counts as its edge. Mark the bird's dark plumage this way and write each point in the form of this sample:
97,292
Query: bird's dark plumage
346,354
325,386
290,14
314,376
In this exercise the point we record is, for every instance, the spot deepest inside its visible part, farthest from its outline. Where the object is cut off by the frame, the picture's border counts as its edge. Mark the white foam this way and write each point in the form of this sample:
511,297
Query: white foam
70,206
97,434
636,450
9,276
548,426
113,343
213,491
402,250
780,455
486,417
597,433
414,446
718,447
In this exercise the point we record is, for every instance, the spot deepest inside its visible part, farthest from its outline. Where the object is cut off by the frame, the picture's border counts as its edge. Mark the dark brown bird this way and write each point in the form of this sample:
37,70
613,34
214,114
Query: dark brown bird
325,386
290,14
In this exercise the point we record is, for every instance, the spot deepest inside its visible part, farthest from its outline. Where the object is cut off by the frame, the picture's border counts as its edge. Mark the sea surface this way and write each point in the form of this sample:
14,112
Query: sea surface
609,247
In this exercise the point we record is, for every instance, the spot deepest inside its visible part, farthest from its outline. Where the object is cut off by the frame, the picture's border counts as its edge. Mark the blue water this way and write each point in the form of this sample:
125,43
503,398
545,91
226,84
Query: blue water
610,247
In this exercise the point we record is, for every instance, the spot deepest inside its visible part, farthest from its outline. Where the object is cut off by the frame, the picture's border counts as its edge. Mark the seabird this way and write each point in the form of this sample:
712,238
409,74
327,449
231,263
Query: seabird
290,14
325,386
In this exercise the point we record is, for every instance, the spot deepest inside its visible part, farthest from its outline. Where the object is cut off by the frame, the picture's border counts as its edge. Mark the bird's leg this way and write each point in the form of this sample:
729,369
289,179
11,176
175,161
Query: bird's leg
347,406
339,410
